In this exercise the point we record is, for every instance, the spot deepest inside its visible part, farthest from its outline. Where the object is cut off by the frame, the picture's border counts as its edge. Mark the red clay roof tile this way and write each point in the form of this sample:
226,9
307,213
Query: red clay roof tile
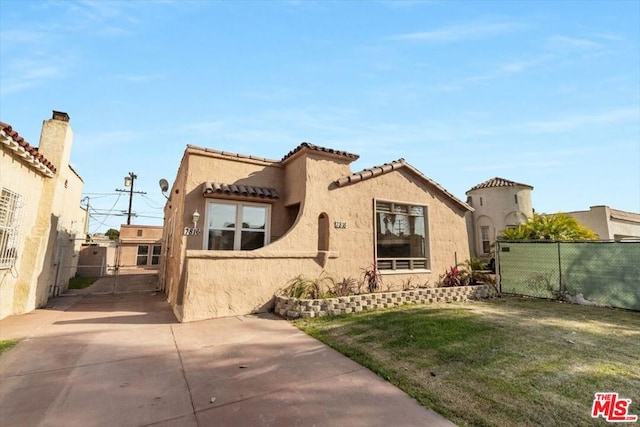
15,136
210,188
498,182
395,165
321,149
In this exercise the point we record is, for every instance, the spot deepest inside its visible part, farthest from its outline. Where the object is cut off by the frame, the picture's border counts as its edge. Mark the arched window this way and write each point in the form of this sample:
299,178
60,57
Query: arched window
323,232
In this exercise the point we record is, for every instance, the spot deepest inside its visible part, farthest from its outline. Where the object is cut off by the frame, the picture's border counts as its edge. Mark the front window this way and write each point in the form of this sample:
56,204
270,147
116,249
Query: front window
237,226
10,205
401,236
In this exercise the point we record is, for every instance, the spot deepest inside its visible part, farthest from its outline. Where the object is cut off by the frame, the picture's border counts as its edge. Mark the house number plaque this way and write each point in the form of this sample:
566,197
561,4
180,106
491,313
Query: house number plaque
190,231
339,224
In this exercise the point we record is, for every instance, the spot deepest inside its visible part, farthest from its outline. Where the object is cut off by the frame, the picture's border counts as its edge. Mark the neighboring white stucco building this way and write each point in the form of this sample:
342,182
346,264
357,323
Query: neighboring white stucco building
498,204
609,224
40,216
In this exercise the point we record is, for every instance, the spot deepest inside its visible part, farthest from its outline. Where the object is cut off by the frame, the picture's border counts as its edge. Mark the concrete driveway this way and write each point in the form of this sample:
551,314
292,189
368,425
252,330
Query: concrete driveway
123,360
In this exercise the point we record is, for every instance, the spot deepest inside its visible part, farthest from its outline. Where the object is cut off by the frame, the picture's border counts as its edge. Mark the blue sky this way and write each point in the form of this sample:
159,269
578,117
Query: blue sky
541,92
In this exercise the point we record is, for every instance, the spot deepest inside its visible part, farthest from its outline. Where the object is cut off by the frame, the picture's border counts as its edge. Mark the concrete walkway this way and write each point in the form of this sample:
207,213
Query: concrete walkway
123,360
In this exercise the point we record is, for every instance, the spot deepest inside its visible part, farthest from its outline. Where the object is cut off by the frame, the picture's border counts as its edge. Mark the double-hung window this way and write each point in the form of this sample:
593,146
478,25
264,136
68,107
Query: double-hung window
237,226
10,205
148,254
401,236
486,244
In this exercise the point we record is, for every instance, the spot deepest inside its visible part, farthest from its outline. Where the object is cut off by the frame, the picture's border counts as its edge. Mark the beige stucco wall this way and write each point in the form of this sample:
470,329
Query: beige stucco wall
609,223
223,283
497,211
52,226
129,242
19,178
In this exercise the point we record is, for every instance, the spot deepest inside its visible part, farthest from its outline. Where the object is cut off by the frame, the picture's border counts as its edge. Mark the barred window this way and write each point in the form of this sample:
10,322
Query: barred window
10,210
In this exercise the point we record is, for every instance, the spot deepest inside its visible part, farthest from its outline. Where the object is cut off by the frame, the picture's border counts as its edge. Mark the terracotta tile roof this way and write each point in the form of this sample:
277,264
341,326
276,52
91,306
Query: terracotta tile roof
392,166
210,188
25,150
499,182
233,155
321,149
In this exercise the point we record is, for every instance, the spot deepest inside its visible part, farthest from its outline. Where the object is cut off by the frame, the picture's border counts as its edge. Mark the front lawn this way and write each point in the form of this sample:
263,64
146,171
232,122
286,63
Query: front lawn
81,282
501,362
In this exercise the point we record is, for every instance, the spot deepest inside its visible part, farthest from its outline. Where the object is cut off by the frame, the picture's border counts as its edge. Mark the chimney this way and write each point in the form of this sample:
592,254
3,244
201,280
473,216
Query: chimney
60,115
56,139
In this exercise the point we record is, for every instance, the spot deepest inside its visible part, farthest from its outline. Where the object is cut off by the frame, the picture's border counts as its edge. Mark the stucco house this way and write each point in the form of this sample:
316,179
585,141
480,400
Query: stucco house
140,247
609,223
40,216
238,228
498,204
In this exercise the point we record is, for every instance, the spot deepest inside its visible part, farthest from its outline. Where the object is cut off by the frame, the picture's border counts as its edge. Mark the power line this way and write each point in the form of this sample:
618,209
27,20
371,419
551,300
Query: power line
107,216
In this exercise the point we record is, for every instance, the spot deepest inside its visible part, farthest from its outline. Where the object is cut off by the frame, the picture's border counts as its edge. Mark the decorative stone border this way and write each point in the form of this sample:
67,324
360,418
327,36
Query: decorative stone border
294,308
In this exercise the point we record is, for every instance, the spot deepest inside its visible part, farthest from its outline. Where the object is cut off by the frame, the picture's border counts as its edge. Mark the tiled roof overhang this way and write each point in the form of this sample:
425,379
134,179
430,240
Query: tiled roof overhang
214,189
396,165
28,153
499,182
306,145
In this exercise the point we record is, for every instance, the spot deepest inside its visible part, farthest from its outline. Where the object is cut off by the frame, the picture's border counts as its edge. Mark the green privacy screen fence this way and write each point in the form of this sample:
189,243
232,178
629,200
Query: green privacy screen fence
600,273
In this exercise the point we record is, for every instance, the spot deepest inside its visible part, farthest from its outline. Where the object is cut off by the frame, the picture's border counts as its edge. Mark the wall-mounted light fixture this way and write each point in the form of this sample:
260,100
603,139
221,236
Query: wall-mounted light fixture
195,217
164,186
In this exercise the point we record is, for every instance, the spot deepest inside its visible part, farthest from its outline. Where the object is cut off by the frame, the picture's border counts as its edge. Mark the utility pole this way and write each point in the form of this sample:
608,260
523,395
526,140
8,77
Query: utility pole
128,182
86,218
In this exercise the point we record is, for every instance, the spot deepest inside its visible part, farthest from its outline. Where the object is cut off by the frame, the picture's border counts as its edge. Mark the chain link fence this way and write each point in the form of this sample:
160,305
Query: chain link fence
590,273
107,268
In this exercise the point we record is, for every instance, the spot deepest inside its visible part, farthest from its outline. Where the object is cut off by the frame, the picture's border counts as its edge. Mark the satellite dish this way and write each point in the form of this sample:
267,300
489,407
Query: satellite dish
164,185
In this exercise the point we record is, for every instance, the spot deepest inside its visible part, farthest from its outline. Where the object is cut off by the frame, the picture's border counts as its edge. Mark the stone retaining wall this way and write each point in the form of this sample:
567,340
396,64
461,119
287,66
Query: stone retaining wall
294,308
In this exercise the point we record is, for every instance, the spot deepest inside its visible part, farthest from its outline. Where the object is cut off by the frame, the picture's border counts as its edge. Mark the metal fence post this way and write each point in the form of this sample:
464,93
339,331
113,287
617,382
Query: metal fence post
560,285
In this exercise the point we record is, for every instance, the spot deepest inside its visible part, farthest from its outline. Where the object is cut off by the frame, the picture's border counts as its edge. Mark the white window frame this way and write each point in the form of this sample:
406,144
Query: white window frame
149,255
10,220
415,264
484,237
238,220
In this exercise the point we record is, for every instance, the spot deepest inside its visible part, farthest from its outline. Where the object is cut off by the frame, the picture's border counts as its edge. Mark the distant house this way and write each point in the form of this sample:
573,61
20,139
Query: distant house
608,223
97,256
40,216
238,228
139,248
498,204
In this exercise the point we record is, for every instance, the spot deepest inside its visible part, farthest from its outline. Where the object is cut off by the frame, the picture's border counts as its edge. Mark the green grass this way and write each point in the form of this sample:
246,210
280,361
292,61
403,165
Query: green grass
501,362
81,282
7,344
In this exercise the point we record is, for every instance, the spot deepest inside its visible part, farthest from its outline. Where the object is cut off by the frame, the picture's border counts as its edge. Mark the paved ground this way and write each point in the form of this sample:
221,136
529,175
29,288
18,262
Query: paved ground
123,360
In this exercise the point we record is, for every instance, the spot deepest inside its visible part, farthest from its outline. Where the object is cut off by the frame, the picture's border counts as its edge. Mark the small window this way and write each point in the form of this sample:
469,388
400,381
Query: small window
480,201
486,244
139,233
155,254
143,254
516,198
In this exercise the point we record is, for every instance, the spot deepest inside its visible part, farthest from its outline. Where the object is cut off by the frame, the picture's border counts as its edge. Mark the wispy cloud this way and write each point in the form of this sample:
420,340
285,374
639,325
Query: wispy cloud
139,78
460,32
576,121
563,44
26,72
